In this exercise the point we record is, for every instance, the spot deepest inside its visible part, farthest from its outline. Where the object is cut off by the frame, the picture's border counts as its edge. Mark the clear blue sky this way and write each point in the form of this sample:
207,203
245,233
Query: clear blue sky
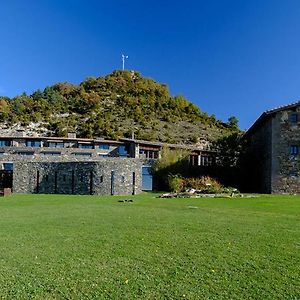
230,57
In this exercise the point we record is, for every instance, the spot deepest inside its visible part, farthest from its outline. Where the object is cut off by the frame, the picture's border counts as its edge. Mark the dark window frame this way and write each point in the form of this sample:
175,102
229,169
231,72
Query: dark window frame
294,150
293,118
33,144
104,146
5,143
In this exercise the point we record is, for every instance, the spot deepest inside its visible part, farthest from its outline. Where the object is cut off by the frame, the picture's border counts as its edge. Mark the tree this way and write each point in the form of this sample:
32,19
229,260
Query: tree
171,163
230,150
233,122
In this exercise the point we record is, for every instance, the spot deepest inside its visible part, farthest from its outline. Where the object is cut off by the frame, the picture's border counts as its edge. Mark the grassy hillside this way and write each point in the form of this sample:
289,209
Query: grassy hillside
112,106
88,247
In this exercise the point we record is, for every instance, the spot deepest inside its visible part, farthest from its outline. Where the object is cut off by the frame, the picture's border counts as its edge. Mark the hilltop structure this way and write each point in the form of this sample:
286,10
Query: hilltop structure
273,151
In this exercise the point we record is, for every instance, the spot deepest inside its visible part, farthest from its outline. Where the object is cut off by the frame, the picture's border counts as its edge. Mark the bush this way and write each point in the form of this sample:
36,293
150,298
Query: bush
176,183
204,183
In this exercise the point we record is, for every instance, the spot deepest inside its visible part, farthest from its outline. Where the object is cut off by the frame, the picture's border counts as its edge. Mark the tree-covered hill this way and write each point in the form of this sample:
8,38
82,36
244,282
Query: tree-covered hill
112,106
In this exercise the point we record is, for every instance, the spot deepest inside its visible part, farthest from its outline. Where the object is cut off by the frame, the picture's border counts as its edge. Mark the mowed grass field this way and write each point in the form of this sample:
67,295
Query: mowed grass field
89,247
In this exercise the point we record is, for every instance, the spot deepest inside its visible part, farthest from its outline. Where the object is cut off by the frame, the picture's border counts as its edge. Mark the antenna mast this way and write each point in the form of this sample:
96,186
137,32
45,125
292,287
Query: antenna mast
123,61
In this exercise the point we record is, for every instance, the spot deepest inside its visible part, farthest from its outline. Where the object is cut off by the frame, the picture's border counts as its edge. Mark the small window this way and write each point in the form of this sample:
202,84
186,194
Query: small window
46,178
122,179
4,143
101,179
294,174
8,166
82,154
294,118
34,144
85,146
25,153
51,153
206,160
64,178
56,145
122,151
294,149
146,170
104,146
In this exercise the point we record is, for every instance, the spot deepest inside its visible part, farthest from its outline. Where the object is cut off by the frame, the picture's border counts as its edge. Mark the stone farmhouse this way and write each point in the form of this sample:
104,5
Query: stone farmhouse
273,151
82,166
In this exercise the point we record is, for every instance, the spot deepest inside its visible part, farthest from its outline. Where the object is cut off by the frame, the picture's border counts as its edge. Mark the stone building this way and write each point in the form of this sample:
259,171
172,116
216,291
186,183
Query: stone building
82,166
273,151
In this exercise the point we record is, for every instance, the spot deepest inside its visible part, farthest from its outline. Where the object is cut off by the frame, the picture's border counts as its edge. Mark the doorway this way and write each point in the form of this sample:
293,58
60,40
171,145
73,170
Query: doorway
6,177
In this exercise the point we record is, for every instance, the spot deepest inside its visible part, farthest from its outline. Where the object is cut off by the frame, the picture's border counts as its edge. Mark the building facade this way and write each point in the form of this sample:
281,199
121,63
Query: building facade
273,151
82,166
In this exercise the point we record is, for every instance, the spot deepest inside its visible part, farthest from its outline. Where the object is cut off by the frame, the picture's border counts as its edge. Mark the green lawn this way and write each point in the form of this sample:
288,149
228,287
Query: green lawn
89,247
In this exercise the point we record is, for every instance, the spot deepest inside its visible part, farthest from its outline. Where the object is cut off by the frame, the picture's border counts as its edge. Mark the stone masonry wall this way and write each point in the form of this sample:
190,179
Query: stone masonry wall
260,158
117,176
285,167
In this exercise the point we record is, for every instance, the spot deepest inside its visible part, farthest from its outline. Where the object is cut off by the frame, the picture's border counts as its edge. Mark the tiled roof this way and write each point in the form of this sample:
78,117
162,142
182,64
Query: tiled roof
283,107
269,112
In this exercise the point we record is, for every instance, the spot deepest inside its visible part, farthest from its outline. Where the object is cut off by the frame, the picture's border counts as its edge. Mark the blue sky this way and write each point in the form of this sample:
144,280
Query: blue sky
229,57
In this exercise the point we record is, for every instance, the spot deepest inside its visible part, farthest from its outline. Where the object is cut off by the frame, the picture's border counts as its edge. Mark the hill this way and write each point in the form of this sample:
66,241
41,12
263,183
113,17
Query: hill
113,106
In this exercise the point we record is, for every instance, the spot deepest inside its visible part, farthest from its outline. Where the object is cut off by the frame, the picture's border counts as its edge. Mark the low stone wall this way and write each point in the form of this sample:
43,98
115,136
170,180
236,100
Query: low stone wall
115,176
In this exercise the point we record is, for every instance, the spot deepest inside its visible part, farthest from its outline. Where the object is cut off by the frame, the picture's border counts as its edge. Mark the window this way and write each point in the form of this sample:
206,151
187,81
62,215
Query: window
82,154
102,155
206,160
25,153
149,154
101,178
8,166
4,143
293,149
146,170
56,144
293,174
33,144
85,146
122,151
122,179
104,146
52,153
64,178
293,118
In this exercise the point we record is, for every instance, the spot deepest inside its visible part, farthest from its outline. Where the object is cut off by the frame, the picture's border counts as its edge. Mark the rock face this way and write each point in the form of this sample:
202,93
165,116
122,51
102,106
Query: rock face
116,176
274,144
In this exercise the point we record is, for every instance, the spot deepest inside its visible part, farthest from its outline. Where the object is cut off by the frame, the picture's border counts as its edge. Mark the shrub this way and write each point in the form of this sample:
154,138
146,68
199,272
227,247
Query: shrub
176,183
204,183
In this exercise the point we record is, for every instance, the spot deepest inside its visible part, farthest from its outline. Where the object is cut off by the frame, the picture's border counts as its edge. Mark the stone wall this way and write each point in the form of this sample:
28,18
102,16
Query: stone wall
110,176
272,168
285,167
259,158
